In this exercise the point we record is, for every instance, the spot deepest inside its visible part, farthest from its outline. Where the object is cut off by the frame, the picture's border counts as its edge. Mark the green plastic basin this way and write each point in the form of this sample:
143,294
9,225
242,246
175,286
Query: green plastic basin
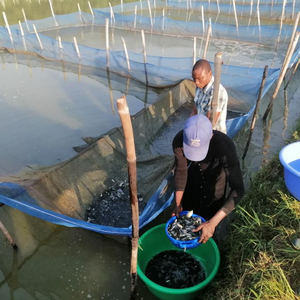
155,241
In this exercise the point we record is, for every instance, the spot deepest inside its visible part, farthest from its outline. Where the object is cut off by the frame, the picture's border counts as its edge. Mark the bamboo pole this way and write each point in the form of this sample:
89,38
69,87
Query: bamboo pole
258,22
217,81
112,15
76,47
163,20
207,41
22,34
52,12
195,51
135,12
92,12
79,12
202,17
8,236
218,6
145,55
281,19
292,74
25,19
126,54
8,28
255,113
282,74
37,36
235,17
132,179
107,41
150,13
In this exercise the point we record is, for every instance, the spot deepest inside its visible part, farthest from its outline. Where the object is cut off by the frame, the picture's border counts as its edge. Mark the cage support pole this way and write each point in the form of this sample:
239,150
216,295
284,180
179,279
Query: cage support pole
107,41
121,6
135,12
79,12
37,36
195,50
150,13
123,111
255,113
282,74
112,16
52,12
218,6
145,55
22,34
91,9
126,54
25,19
235,17
202,17
292,74
163,20
8,28
8,236
76,47
258,22
215,99
281,19
207,41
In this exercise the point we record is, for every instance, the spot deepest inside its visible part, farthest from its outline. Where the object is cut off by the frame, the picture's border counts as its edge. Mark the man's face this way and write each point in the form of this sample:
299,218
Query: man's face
201,77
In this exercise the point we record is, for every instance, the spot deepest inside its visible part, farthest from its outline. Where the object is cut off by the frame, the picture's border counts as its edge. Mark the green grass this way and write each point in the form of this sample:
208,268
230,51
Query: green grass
258,260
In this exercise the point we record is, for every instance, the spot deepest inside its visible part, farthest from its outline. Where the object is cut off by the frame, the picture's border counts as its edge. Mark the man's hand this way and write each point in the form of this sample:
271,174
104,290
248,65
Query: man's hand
208,230
177,210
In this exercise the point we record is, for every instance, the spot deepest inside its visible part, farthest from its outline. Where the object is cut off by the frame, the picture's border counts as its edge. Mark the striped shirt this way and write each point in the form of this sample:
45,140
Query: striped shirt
203,99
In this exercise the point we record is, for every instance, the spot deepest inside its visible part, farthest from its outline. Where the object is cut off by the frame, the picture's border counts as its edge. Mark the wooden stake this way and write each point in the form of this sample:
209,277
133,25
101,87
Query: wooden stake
150,14
37,36
52,12
8,28
107,41
145,55
207,41
258,22
202,16
22,34
135,12
126,54
132,179
76,47
255,113
195,50
25,19
79,12
218,5
235,17
163,20
292,74
215,99
112,15
281,19
92,12
8,236
282,74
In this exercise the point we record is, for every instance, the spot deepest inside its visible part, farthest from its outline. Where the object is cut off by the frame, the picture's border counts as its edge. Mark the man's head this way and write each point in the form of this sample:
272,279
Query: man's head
201,73
196,137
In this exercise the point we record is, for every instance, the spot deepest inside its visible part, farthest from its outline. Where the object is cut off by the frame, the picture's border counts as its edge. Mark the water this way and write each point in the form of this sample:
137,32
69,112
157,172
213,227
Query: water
295,165
59,263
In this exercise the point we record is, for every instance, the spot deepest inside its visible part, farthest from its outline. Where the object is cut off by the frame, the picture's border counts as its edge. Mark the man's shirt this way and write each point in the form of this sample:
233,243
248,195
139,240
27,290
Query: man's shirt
203,99
220,166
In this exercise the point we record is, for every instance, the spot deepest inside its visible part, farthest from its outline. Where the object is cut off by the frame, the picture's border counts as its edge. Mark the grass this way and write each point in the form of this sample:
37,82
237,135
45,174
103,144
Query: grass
258,260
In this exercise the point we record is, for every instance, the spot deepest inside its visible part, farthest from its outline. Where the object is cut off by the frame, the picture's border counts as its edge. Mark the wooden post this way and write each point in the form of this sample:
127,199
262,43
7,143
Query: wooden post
23,12
37,36
107,41
22,34
135,12
207,41
215,99
145,55
6,233
195,50
150,13
292,74
132,179
282,74
256,110
126,54
52,12
202,17
8,28
76,47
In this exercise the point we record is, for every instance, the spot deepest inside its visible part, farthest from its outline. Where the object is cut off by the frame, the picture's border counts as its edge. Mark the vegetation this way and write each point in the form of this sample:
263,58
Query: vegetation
258,258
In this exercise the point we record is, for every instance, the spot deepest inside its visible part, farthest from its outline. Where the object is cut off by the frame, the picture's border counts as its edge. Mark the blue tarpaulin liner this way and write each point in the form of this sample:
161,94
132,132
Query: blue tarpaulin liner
61,194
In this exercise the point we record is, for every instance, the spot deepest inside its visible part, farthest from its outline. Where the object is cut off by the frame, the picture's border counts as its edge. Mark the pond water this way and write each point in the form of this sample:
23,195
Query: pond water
44,113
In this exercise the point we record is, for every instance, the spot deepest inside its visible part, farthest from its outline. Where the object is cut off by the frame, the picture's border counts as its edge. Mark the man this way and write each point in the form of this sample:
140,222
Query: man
204,80
205,161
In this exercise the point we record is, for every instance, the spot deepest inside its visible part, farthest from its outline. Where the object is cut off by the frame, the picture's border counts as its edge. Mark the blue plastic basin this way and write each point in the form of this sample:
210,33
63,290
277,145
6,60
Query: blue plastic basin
290,159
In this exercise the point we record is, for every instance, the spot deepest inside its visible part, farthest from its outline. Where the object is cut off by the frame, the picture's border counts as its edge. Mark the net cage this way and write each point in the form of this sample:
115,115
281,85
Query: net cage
263,31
